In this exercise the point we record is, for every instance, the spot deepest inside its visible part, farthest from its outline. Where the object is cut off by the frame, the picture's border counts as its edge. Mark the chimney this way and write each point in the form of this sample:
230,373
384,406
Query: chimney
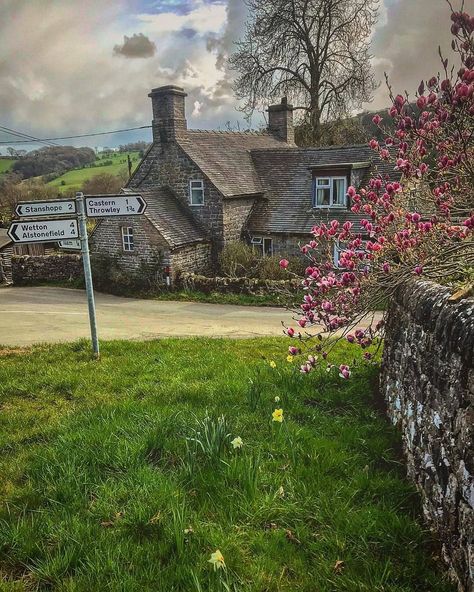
280,121
169,117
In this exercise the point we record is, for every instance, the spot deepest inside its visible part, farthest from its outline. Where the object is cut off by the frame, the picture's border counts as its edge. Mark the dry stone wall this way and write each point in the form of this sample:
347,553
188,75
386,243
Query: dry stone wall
28,269
428,383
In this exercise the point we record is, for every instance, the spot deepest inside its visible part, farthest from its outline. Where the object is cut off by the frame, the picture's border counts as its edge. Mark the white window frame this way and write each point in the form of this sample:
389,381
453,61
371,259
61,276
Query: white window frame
128,242
259,242
196,185
329,186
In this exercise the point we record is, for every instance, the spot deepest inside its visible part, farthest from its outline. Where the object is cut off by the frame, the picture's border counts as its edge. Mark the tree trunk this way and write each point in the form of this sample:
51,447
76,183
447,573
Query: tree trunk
315,122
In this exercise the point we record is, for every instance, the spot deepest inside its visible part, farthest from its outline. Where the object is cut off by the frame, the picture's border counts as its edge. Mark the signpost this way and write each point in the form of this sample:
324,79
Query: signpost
71,233
43,231
53,207
105,206
71,245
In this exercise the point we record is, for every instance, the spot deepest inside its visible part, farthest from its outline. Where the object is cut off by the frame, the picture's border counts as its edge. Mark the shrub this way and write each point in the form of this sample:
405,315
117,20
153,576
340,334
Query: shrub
238,259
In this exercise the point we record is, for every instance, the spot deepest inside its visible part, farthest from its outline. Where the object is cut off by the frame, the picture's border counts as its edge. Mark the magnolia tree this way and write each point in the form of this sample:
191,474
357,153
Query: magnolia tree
419,221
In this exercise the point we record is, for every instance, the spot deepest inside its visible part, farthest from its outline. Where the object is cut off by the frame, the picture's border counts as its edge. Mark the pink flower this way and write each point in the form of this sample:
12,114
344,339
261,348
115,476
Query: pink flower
350,338
344,371
376,119
386,267
284,263
374,144
293,351
291,332
418,270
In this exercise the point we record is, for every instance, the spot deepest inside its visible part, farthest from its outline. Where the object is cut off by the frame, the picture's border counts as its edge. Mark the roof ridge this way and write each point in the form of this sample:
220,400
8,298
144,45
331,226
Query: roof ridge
310,148
236,132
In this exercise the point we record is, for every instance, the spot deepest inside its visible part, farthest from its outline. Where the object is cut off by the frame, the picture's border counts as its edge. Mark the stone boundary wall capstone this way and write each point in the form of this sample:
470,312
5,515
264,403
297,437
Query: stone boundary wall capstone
427,381
28,269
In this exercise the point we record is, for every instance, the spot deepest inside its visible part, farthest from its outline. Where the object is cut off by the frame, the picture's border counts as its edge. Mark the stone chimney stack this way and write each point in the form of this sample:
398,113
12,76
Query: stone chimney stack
280,121
169,116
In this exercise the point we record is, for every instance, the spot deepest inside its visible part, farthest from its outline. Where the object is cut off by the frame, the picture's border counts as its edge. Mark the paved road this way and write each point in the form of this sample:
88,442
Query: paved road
48,314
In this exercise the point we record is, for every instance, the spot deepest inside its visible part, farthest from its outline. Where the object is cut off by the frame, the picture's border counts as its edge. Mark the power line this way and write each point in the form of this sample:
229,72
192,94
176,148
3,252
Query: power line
43,140
19,134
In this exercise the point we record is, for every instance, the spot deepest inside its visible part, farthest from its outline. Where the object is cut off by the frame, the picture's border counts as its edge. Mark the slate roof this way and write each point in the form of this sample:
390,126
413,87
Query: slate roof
286,176
225,158
170,218
4,239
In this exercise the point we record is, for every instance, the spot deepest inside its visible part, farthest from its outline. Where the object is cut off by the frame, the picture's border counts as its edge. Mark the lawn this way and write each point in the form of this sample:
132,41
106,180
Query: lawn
74,179
120,475
6,164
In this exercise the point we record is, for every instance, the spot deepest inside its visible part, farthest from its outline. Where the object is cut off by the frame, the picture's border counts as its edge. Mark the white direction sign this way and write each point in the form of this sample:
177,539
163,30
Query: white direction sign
43,231
71,244
53,207
104,206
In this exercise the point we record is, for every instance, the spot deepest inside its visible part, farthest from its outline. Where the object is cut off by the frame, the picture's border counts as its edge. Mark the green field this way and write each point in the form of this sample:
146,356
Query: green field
6,164
74,179
121,475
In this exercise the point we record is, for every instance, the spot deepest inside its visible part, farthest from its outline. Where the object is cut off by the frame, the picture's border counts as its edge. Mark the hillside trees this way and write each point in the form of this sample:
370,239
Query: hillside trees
316,52
53,159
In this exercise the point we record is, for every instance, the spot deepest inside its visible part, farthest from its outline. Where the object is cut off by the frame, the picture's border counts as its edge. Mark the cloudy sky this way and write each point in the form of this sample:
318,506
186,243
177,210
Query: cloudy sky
69,67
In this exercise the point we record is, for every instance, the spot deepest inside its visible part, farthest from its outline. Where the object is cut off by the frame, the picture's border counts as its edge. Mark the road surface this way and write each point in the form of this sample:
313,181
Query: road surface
31,315
49,314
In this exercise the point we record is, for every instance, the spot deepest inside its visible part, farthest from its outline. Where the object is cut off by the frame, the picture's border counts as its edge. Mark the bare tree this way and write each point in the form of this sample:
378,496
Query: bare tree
316,52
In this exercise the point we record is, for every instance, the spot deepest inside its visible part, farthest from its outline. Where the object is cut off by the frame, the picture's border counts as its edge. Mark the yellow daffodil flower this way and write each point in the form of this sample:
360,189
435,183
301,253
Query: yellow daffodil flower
237,442
277,415
273,364
217,560
289,358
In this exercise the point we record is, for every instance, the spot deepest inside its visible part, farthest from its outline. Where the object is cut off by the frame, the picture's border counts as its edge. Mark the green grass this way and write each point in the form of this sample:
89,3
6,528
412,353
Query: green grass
6,164
219,298
118,475
74,179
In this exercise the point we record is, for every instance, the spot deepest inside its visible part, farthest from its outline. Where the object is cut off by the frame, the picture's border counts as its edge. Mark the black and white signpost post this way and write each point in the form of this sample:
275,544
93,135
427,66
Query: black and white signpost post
71,232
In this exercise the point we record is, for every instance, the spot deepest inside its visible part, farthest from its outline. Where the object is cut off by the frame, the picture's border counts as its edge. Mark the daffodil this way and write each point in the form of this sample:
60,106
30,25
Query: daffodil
273,364
277,399
217,560
237,442
289,358
277,415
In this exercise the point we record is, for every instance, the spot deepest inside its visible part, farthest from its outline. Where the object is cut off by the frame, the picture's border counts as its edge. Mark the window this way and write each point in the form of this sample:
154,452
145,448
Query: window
264,246
127,238
196,193
330,192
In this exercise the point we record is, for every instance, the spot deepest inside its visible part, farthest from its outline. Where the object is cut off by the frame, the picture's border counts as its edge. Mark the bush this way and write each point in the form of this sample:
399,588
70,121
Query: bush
238,259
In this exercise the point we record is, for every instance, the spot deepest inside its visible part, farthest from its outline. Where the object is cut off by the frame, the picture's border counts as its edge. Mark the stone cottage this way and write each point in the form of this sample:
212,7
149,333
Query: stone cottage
207,188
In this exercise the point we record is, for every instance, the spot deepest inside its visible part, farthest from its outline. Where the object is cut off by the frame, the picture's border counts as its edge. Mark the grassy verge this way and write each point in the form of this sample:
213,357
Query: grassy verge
6,164
119,475
73,180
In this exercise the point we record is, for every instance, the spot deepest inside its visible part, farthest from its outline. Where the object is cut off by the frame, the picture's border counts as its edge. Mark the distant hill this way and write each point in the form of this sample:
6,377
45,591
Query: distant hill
114,163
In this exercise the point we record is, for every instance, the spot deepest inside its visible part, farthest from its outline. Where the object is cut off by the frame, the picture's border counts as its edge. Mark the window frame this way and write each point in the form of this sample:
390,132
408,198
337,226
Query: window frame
201,188
128,239
329,186
259,241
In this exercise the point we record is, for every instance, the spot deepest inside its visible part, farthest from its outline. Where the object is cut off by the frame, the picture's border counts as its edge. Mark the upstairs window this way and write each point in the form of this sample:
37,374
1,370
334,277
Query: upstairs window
264,246
127,239
196,192
330,192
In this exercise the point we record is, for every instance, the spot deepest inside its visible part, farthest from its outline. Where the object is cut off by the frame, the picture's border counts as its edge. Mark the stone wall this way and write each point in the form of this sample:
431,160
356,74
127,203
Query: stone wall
28,269
428,383
169,166
6,264
194,258
238,285
148,243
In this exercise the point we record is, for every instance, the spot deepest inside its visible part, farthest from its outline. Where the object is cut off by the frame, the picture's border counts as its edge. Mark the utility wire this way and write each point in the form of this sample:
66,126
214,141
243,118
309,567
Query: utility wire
43,140
19,134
